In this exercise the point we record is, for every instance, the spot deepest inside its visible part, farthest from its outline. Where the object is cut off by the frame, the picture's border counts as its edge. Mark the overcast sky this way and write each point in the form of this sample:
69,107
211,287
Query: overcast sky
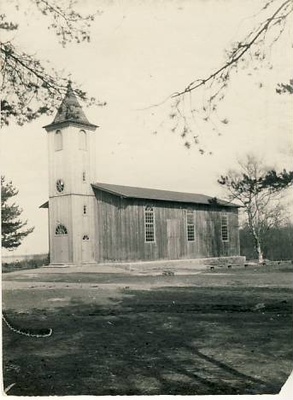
141,52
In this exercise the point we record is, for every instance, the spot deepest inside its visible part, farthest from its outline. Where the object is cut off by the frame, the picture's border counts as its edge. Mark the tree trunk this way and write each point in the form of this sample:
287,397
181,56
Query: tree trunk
259,251
257,242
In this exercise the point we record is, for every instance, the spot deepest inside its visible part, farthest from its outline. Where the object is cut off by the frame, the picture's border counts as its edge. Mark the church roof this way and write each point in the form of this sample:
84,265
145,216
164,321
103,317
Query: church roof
70,111
163,195
131,192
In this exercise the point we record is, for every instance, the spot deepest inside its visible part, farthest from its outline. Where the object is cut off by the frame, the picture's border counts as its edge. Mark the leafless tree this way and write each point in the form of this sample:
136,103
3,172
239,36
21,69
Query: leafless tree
262,205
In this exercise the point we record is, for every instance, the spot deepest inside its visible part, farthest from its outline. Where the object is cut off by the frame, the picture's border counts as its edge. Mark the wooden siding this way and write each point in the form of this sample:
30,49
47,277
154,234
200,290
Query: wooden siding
120,231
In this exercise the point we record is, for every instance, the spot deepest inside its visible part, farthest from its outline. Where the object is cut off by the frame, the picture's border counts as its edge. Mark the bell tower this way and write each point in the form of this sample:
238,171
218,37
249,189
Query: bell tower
71,149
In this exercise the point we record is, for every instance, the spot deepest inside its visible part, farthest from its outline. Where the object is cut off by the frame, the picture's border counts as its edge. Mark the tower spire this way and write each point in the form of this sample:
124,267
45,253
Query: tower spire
70,111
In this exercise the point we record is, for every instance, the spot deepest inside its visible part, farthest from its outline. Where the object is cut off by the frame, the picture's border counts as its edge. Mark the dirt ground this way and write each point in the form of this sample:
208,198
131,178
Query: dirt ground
117,332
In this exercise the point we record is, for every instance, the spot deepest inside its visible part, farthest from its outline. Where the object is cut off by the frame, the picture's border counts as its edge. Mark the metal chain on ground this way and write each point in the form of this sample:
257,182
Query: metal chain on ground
26,332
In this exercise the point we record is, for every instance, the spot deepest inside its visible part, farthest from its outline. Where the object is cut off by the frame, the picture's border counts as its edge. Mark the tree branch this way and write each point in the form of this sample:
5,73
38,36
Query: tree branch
236,54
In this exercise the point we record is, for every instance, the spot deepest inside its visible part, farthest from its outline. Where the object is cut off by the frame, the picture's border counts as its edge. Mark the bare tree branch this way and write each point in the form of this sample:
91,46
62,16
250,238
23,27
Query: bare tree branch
29,89
273,17
240,50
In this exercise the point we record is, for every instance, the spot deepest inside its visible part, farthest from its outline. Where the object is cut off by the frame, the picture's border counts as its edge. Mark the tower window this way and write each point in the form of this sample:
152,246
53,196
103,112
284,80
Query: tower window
82,140
85,237
149,222
61,230
60,185
224,228
83,176
84,210
58,141
190,226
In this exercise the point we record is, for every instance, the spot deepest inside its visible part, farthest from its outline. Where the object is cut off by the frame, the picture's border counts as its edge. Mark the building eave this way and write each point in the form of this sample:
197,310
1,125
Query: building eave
45,205
64,124
161,195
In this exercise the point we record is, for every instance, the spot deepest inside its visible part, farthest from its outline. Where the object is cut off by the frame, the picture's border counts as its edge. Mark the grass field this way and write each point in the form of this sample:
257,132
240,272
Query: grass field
211,332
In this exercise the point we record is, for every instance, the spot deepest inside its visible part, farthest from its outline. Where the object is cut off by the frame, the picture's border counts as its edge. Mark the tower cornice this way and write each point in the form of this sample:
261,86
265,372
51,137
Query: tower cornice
64,124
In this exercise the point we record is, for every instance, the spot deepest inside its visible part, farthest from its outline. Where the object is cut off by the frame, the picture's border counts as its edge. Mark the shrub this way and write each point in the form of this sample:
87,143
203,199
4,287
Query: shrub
26,264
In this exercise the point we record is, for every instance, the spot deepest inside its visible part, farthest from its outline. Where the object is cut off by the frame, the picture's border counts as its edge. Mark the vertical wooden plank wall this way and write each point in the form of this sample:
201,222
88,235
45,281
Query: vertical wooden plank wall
120,232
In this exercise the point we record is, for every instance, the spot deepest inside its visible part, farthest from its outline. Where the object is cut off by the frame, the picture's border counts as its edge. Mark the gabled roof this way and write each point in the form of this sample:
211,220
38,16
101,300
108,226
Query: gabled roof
162,195
70,111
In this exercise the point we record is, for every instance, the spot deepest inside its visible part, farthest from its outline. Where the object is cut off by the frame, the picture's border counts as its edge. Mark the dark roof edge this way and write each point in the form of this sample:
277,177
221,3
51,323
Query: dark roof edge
69,122
45,205
111,192
227,204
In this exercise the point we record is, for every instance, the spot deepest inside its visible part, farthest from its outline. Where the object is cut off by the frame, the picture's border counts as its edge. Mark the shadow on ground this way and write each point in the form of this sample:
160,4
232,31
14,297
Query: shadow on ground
171,341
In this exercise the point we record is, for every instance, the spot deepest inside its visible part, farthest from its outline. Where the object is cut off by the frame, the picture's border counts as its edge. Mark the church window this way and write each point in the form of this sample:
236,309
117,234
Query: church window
60,185
224,228
58,141
61,230
84,210
190,226
85,237
149,219
83,176
82,140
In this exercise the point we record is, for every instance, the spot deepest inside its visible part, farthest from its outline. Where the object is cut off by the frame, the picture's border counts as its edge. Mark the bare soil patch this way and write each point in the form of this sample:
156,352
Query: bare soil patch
221,332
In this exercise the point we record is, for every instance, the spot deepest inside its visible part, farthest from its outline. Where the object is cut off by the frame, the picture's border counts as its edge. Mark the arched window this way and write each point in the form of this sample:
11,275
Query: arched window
58,141
82,140
61,230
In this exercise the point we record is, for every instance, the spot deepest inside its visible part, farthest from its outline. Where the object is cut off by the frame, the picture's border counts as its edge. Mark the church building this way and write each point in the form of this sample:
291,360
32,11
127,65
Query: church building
93,222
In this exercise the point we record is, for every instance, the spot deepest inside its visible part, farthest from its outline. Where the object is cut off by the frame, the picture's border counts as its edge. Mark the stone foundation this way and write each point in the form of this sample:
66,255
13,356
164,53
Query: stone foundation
178,266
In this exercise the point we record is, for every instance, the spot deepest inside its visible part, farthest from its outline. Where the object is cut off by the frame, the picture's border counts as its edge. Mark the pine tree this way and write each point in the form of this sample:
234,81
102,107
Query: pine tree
11,226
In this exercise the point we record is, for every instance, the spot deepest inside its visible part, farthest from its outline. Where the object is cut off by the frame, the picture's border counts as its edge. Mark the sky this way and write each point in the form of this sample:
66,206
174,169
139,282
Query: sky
140,53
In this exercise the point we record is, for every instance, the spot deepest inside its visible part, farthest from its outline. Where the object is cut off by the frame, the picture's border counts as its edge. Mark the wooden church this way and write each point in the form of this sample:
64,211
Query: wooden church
92,222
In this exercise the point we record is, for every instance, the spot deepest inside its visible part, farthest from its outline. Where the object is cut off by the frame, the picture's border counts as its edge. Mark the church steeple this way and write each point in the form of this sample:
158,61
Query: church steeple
72,169
70,111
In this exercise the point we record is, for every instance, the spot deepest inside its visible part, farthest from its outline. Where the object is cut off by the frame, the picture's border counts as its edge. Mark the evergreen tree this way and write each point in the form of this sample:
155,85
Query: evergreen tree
11,226
277,181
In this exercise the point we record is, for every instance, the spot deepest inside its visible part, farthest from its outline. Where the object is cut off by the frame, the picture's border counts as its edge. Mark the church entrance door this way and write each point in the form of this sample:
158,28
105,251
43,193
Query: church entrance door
86,255
61,249
173,234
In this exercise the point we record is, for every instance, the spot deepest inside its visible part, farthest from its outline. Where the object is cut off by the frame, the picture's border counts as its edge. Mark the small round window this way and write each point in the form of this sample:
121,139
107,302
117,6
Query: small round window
60,185
86,237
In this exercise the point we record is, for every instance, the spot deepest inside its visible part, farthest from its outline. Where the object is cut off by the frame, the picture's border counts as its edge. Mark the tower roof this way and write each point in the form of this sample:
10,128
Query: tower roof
70,111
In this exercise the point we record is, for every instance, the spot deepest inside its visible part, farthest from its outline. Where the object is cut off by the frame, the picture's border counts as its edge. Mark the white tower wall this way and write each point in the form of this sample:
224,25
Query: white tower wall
72,169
